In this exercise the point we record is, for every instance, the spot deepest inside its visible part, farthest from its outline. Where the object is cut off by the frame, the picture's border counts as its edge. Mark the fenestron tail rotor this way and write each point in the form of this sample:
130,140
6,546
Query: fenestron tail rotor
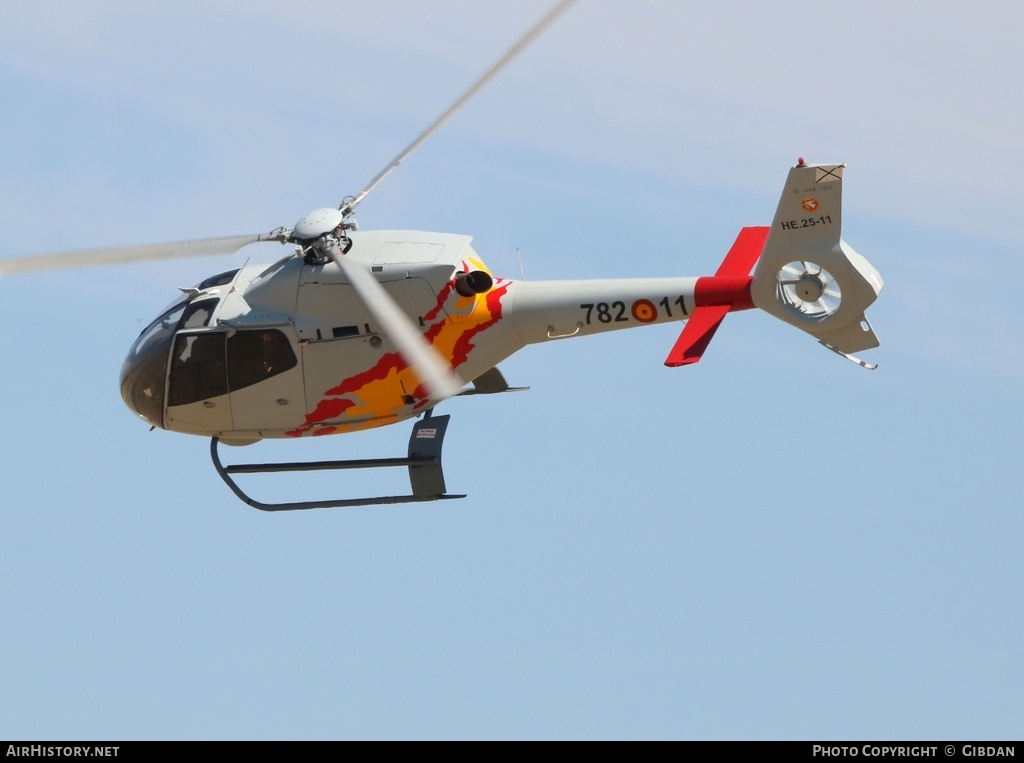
807,288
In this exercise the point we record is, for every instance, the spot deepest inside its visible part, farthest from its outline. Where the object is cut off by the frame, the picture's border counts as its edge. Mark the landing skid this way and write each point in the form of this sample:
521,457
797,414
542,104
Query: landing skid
424,462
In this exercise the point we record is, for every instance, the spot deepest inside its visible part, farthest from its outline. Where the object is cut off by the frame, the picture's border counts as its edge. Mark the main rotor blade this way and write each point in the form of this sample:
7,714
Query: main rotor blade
119,255
433,371
461,101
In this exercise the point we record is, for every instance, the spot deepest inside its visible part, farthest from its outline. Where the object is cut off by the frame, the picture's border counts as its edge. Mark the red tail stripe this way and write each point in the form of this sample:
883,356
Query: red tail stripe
728,289
733,291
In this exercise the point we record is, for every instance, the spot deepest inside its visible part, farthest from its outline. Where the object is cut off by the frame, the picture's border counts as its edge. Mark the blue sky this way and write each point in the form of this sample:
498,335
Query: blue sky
772,544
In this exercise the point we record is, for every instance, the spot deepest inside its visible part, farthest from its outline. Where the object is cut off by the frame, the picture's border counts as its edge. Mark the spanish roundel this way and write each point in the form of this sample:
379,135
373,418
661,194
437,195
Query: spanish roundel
644,310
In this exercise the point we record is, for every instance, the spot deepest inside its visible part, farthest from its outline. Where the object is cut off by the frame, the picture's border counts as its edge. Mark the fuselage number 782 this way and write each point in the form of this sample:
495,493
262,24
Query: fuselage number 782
642,310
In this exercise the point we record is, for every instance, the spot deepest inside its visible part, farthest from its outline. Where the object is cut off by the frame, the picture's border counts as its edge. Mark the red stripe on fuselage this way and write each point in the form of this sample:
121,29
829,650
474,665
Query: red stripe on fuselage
333,404
464,344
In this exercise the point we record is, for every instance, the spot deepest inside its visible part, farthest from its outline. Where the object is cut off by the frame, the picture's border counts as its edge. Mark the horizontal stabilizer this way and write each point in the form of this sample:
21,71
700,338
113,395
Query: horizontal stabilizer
744,252
696,335
728,289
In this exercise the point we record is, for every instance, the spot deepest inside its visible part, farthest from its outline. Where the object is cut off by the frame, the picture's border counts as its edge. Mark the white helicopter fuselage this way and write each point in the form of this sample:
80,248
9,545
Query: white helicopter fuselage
291,350
359,330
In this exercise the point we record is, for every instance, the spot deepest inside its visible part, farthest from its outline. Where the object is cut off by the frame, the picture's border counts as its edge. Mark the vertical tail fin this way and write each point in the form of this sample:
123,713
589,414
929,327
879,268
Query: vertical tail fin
807,275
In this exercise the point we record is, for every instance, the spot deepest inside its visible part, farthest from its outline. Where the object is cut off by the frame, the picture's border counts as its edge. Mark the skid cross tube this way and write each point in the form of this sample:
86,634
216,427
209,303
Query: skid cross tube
424,462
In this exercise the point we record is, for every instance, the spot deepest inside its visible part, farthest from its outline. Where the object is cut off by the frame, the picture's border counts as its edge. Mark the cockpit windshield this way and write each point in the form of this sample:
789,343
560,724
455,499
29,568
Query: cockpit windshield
144,373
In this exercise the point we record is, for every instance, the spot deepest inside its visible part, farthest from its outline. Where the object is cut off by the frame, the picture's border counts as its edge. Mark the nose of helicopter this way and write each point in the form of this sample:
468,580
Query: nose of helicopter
142,384
144,371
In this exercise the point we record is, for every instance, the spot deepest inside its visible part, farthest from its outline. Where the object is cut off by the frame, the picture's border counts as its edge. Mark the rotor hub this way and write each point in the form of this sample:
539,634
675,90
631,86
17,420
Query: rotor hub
810,286
317,223
807,290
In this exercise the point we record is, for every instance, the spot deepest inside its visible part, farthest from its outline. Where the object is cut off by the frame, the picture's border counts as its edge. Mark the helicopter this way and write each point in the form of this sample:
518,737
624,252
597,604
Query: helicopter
353,330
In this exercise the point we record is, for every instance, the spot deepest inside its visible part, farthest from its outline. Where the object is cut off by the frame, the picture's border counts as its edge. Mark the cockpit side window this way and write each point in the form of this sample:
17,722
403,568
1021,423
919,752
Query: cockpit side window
258,354
197,368
207,364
